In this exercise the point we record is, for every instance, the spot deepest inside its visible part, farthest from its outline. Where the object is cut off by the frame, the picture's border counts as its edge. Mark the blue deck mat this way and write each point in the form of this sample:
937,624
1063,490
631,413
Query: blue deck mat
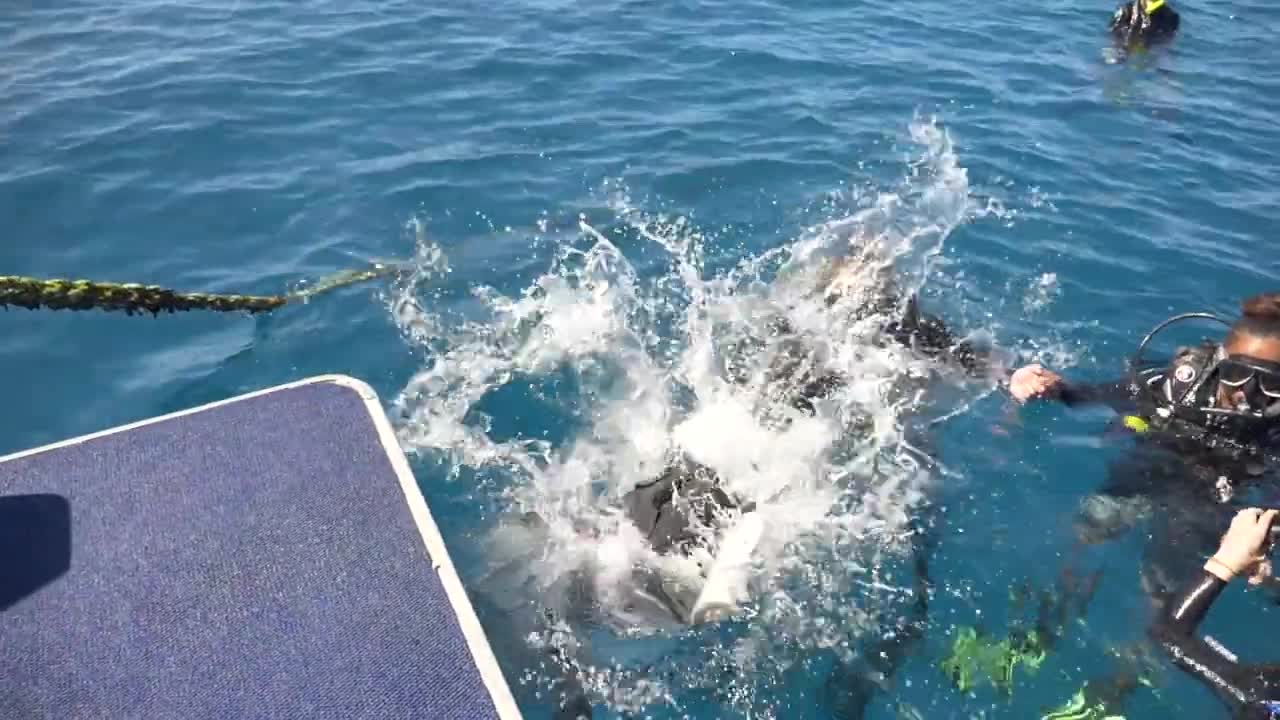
267,557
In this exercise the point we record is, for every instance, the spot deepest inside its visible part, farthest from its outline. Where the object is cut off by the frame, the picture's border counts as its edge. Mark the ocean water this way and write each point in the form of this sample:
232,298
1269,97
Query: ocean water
596,205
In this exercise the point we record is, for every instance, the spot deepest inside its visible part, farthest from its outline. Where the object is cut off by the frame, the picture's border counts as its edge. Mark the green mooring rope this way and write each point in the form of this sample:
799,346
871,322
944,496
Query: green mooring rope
35,293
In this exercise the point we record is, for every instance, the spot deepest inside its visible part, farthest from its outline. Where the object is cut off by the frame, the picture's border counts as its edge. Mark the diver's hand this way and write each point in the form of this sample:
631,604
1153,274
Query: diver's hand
1242,547
1034,382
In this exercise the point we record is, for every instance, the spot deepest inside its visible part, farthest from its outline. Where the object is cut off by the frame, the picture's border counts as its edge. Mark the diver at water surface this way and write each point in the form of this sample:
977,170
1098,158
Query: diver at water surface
1207,427
1144,22
829,356
1223,394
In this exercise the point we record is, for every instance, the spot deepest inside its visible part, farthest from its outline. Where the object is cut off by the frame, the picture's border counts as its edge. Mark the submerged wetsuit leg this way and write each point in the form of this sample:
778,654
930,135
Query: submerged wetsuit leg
1128,497
851,685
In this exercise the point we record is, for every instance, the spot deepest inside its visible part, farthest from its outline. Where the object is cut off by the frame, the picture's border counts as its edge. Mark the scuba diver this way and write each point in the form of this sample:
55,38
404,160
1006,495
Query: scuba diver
1225,394
1251,691
1207,427
1233,386
1144,22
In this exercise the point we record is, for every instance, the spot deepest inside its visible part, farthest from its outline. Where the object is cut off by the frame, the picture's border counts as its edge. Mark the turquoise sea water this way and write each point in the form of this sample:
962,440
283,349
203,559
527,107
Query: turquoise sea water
1073,201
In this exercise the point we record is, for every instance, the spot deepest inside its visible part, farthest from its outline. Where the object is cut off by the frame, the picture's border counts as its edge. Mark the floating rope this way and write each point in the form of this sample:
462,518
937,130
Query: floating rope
35,293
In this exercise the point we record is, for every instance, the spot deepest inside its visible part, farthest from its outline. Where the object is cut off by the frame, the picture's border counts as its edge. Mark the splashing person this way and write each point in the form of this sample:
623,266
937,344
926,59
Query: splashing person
794,410
687,511
685,508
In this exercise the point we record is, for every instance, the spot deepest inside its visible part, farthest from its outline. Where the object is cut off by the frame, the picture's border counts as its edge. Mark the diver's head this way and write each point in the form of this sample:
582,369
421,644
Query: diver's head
1249,374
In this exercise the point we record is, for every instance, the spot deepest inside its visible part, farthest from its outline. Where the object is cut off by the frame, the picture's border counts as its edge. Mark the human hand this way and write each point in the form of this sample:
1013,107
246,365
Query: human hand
1242,547
1034,382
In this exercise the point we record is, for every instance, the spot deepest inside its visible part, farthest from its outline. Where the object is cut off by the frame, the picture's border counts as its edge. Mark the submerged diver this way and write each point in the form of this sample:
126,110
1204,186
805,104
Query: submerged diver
1144,22
1252,691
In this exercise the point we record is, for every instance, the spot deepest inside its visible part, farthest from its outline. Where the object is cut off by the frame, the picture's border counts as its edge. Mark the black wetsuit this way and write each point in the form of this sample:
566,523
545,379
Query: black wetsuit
1187,477
1252,691
1132,26
672,508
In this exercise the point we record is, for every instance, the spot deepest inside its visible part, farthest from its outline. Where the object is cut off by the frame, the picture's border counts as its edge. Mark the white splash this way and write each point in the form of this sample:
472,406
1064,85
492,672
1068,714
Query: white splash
1042,292
681,363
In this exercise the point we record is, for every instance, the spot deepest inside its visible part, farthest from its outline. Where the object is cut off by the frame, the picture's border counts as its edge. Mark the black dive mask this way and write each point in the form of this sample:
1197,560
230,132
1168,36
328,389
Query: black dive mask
1256,381
1191,389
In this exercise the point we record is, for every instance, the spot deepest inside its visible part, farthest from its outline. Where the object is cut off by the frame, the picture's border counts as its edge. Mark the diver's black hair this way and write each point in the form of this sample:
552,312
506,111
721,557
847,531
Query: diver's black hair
1259,316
